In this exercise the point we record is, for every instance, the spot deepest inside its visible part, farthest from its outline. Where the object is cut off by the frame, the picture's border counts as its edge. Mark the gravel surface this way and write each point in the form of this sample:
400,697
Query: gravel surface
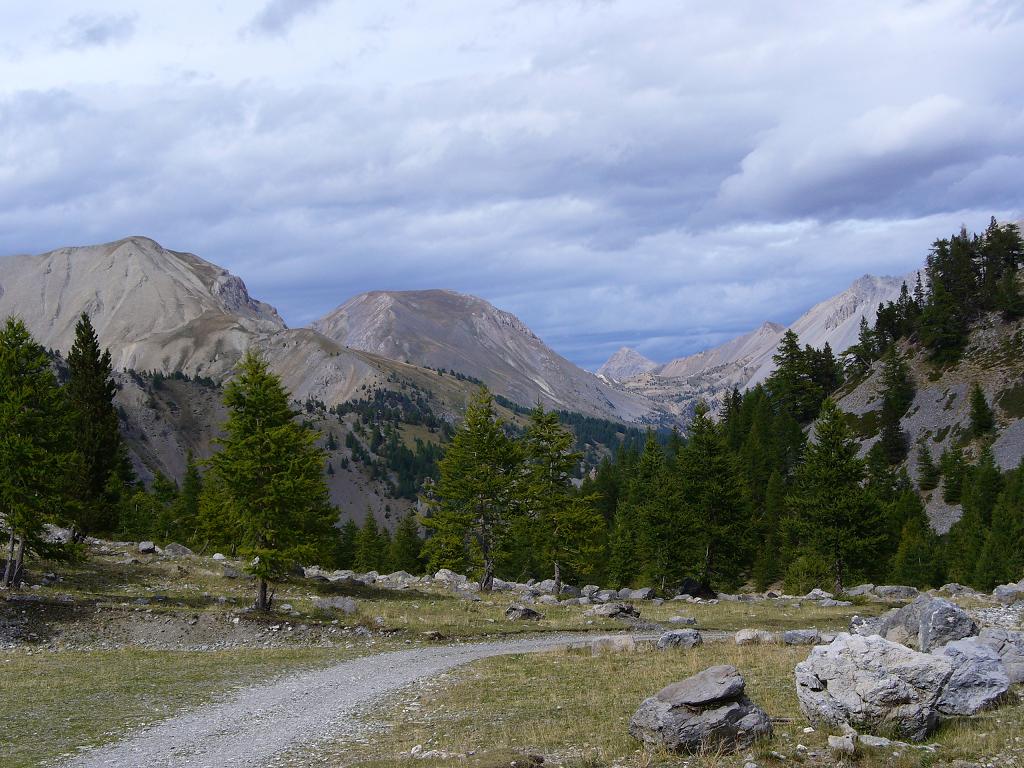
259,723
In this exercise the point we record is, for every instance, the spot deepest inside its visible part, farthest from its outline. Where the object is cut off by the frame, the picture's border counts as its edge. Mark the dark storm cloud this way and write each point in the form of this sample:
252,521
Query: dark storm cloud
90,31
661,175
278,16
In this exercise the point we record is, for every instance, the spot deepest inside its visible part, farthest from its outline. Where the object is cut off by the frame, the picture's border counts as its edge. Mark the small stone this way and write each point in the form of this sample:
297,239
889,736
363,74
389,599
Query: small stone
842,744
680,638
146,547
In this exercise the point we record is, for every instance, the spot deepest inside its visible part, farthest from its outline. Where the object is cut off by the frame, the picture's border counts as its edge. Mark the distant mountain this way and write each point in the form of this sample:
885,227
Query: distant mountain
747,360
625,364
453,331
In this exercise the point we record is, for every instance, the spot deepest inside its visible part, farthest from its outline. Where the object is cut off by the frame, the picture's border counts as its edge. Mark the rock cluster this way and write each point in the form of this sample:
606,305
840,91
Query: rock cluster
708,711
926,623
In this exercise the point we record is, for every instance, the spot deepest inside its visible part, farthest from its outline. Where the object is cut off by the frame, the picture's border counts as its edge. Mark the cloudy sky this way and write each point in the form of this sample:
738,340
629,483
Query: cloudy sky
657,174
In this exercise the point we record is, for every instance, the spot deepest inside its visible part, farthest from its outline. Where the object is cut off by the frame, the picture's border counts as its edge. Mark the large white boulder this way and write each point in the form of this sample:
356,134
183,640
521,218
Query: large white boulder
873,685
1010,647
979,678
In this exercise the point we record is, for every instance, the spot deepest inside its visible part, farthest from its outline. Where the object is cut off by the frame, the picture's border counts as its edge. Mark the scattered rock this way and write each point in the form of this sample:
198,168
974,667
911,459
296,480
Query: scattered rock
706,711
754,637
957,589
339,603
800,637
828,602
646,593
819,594
520,612
979,678
860,589
1009,593
146,547
615,611
230,573
926,623
680,638
842,744
686,621
177,550
1009,645
590,590
896,592
219,556
872,684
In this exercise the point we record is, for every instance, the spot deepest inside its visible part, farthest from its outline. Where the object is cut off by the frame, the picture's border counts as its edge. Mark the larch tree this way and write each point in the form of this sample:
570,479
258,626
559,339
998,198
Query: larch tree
34,444
104,467
476,494
837,519
269,478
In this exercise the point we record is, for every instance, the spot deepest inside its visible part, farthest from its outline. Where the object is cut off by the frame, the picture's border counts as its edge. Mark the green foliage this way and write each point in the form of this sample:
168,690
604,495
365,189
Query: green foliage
268,494
35,445
954,470
983,420
372,547
897,394
917,561
90,392
1001,558
928,474
407,546
807,572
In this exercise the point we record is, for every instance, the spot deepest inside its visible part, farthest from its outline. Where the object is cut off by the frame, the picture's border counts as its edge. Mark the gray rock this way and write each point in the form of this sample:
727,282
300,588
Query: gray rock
1009,593
616,644
570,591
219,557
446,576
605,596
146,547
680,638
896,592
646,593
590,590
819,594
828,602
926,623
754,637
860,589
520,612
800,637
230,573
624,594
957,589
548,600
546,587
337,603
615,611
844,744
871,684
706,711
686,621
177,550
979,678
1009,645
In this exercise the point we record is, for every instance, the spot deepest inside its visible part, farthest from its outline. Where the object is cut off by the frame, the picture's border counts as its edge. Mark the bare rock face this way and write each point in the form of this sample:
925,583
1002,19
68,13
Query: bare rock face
706,711
1009,645
979,677
873,685
926,623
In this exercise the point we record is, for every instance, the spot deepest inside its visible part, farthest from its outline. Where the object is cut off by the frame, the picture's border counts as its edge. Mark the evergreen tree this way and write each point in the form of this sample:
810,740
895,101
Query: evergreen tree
1001,559
897,394
836,518
407,545
370,547
862,354
345,545
622,546
657,528
980,490
475,493
34,443
792,386
569,527
716,510
104,467
769,565
917,560
983,420
270,476
942,327
928,474
953,470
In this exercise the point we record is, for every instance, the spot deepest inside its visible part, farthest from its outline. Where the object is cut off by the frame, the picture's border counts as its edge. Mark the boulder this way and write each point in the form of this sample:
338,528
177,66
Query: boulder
605,596
546,587
616,644
645,593
708,711
871,684
694,588
828,602
146,547
570,591
1009,593
926,623
446,576
800,637
957,589
819,594
896,592
754,637
548,600
590,590
177,550
624,594
860,589
979,678
843,745
680,638
1009,645
520,612
615,611
336,603
219,557
686,621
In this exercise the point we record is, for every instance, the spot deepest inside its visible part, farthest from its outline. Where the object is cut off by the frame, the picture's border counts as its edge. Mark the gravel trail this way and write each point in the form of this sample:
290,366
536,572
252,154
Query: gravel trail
257,723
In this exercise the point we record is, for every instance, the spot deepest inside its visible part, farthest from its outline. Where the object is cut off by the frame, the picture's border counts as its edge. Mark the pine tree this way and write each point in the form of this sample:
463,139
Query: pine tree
897,394
407,545
1001,558
270,476
622,546
717,514
928,474
655,518
983,420
980,491
475,495
91,389
836,518
345,545
34,443
792,386
942,327
569,527
917,560
370,546
769,565
953,470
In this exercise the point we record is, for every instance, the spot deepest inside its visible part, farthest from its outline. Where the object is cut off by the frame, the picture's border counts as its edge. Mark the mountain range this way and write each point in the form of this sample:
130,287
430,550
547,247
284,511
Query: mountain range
164,310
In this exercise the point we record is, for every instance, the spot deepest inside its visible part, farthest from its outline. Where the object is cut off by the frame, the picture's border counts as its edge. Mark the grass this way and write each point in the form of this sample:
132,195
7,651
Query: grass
574,709
55,703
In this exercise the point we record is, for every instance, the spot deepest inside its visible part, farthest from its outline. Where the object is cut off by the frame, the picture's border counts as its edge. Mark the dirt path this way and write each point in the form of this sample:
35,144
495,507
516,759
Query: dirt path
257,723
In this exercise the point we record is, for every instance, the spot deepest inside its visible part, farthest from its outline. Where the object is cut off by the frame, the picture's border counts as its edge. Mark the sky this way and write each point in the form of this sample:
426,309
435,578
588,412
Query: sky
658,174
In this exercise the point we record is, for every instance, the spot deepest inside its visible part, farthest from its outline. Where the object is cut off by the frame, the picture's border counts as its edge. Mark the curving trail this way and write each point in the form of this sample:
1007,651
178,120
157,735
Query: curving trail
263,721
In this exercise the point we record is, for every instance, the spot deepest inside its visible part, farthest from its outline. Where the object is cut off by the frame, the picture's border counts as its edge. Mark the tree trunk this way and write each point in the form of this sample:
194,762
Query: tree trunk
19,564
261,598
8,569
558,579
